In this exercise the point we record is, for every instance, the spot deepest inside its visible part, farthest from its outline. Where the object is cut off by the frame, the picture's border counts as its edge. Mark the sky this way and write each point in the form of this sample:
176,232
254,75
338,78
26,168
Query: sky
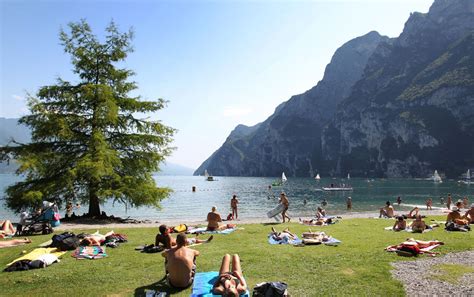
218,63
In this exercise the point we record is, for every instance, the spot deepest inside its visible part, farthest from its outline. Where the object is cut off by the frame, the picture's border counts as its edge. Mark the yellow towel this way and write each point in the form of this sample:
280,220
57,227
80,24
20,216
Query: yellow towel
36,253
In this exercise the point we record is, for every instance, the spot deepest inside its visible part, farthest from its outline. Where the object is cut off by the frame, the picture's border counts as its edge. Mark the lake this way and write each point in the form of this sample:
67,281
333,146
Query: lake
187,206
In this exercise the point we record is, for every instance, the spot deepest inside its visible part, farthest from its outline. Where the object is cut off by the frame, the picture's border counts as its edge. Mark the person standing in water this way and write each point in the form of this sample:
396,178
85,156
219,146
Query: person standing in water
349,203
450,200
399,200
233,204
286,203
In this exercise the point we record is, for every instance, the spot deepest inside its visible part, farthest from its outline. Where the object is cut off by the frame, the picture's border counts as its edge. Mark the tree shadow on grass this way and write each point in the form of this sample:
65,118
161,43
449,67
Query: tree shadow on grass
159,286
271,224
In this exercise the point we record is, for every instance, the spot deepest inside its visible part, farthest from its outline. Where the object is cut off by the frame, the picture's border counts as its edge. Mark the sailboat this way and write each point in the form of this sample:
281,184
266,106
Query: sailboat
281,181
348,176
208,176
467,179
436,178
317,177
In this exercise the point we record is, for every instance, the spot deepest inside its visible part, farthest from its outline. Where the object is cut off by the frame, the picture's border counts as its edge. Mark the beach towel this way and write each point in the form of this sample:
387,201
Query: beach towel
408,229
203,283
38,253
89,252
285,240
427,250
203,230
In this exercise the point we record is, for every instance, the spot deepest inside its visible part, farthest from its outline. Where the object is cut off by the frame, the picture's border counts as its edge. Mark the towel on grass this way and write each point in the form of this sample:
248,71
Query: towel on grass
408,229
89,252
203,230
38,253
203,283
285,240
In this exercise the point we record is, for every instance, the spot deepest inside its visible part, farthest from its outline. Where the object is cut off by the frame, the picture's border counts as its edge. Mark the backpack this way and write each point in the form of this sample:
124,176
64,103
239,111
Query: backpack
270,289
65,241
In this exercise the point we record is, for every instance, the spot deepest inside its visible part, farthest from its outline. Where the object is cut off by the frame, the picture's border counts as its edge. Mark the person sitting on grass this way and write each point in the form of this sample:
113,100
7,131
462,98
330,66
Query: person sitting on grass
320,213
285,235
413,213
400,224
6,229
387,211
230,282
213,220
469,215
180,264
165,239
418,225
455,216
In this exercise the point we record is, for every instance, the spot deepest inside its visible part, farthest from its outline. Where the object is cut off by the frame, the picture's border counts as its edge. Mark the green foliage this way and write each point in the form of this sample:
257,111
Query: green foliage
88,142
357,267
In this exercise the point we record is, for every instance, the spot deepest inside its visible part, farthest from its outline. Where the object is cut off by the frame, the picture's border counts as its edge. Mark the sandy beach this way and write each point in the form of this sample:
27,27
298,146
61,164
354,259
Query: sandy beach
154,224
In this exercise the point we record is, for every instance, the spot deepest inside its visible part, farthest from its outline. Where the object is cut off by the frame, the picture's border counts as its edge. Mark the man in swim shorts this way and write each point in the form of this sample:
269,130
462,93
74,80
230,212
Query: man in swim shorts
387,211
167,241
180,264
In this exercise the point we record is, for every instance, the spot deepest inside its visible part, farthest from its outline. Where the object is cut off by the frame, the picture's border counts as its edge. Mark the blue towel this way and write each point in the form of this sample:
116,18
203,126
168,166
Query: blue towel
203,230
332,241
271,240
203,283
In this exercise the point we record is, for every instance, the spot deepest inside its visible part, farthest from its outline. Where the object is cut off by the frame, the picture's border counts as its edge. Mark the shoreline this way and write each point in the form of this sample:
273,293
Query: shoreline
154,224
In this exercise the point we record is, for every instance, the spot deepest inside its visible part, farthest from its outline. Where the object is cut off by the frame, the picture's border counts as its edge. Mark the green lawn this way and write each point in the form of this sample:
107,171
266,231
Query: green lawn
359,266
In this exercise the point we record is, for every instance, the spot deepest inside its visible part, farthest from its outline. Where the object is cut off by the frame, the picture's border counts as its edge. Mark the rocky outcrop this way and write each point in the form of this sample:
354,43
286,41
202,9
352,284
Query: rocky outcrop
385,107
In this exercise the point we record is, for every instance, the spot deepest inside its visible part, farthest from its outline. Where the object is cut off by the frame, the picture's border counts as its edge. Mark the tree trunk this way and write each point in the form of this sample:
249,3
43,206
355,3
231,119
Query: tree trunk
94,206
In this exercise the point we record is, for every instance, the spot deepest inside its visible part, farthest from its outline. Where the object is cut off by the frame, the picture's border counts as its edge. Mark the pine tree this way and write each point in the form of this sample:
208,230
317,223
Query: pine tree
91,140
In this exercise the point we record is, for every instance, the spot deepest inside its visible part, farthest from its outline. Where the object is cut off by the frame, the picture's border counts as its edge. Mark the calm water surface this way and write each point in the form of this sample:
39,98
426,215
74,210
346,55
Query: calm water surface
255,199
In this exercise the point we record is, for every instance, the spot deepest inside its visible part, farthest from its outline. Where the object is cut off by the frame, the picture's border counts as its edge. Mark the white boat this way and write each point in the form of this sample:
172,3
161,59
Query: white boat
334,188
280,182
348,176
317,177
436,178
467,178
208,176
283,177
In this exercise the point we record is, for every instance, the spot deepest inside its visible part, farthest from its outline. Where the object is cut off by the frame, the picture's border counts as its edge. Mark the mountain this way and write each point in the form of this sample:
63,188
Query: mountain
9,128
385,107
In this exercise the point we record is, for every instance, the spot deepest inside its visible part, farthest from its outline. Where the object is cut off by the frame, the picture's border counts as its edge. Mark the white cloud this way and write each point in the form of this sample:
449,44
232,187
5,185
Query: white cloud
18,97
236,111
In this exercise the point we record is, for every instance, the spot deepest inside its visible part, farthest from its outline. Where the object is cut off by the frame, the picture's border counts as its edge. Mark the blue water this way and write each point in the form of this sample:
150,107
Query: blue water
254,199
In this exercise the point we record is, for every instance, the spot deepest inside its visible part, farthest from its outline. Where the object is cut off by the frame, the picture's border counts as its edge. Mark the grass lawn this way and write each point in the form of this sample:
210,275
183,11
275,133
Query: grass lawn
359,266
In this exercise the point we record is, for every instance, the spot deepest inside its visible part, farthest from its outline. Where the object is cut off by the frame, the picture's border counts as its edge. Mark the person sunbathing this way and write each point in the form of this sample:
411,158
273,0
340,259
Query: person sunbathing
230,282
400,224
418,225
180,263
6,229
213,220
285,235
167,241
455,216
387,211
320,213
95,239
14,242
469,215
413,213
422,243
316,221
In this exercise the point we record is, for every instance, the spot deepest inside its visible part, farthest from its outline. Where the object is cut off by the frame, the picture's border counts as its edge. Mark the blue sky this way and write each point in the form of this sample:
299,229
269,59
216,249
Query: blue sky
219,63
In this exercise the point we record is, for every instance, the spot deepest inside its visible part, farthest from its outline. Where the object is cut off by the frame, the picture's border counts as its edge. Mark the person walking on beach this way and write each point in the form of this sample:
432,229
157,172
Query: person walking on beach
286,203
180,263
448,203
349,203
429,204
233,205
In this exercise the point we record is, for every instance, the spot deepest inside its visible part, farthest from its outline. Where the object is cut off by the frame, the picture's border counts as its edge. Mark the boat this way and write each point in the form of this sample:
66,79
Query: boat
317,177
335,188
208,176
280,182
348,176
436,178
467,178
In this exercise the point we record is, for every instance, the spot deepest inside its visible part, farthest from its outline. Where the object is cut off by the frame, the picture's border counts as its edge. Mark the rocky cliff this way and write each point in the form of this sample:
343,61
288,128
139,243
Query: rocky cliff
385,107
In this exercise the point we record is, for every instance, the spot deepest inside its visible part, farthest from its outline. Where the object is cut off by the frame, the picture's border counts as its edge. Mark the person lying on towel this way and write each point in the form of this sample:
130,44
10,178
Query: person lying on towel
180,264
165,239
285,236
230,282
400,224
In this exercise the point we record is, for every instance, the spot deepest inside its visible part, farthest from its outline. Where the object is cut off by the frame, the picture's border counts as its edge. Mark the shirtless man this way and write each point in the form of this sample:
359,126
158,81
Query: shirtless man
469,215
448,203
180,264
418,225
387,211
429,204
213,220
455,216
284,200
400,224
233,204
164,238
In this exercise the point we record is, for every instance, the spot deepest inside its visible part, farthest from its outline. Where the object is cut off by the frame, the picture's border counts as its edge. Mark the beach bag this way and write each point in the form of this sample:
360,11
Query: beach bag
65,241
451,226
270,289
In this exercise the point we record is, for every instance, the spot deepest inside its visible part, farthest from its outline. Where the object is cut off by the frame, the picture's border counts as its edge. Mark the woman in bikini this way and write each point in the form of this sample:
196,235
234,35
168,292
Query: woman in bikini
6,228
230,283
